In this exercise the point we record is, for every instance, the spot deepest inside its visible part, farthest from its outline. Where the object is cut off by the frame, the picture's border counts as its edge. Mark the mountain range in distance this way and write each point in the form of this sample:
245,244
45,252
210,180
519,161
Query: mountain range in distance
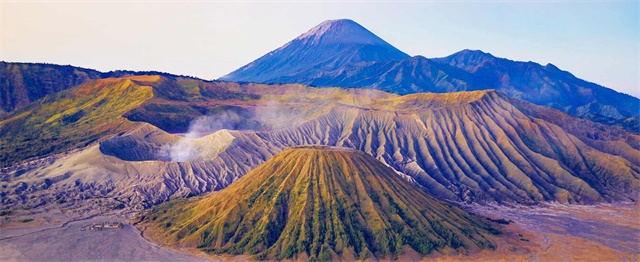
345,54
342,53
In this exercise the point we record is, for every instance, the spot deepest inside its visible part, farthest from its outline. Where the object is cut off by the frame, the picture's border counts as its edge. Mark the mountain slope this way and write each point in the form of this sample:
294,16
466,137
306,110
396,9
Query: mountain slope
23,83
99,109
307,62
327,46
72,118
320,202
407,76
478,146
466,146
549,86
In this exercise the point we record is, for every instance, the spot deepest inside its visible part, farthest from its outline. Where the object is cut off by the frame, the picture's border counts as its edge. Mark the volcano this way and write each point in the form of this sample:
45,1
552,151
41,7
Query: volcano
326,47
475,146
321,203
342,53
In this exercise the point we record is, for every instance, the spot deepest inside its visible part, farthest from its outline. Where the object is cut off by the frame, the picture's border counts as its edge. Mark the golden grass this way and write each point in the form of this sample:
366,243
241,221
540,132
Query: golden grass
319,202
71,119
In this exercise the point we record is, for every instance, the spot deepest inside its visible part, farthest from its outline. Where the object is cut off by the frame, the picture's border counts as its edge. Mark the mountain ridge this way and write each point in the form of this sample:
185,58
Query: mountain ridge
465,70
23,83
477,146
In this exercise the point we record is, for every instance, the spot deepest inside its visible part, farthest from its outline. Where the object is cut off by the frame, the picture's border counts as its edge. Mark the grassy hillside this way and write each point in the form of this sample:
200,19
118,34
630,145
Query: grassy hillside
320,202
23,83
72,118
79,116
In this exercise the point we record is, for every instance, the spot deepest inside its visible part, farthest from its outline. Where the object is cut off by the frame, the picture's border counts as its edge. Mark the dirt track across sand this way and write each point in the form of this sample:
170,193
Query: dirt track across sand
70,242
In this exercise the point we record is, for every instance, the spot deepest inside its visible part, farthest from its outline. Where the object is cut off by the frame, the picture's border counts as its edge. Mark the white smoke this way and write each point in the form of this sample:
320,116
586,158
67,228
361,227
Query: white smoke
188,147
271,114
274,115
297,107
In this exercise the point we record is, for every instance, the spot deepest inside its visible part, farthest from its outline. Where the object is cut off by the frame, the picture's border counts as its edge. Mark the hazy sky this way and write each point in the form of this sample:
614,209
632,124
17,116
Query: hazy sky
596,40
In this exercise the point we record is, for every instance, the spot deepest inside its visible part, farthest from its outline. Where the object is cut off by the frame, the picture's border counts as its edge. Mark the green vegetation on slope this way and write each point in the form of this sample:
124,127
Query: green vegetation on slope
178,102
23,83
71,118
79,116
319,202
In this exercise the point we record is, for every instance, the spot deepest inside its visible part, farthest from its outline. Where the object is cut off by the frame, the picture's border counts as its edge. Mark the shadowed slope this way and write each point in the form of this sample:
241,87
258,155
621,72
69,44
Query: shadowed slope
412,75
72,118
550,86
322,202
24,83
319,58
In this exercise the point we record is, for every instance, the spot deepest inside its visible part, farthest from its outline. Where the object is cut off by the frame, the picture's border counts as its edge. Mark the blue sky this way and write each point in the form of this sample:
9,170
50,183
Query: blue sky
596,40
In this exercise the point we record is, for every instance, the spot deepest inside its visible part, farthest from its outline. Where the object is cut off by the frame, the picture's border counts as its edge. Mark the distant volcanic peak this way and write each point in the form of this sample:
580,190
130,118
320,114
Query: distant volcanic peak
320,202
343,31
333,44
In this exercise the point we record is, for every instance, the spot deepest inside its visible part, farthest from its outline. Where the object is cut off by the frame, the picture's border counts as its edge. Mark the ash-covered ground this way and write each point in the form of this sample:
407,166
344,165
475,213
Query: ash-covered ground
99,238
547,232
